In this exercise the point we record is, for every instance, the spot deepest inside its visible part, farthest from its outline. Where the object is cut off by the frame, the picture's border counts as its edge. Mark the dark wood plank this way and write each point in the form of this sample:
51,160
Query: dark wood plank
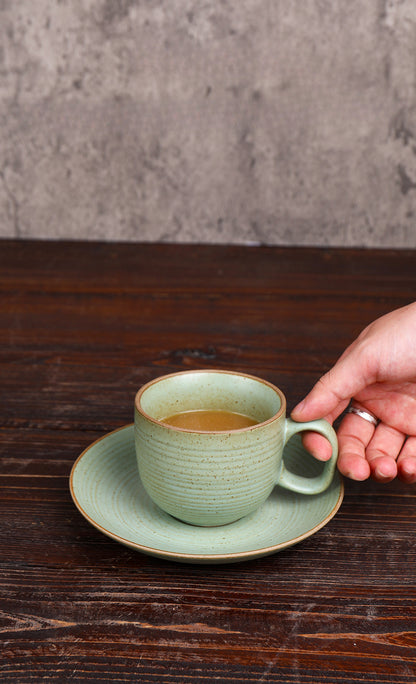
82,326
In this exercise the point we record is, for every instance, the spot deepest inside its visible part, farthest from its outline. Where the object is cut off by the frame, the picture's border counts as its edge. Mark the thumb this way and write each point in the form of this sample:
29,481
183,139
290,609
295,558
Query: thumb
332,393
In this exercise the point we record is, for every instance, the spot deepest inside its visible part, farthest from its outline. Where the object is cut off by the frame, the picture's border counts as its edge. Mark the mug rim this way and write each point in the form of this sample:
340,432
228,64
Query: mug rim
249,428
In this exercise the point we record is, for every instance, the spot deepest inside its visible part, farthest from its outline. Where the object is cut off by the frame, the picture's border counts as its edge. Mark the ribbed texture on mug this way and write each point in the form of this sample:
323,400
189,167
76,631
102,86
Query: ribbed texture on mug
206,480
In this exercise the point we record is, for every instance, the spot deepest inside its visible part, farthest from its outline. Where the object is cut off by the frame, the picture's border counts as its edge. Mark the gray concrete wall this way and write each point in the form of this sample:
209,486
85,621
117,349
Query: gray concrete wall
265,121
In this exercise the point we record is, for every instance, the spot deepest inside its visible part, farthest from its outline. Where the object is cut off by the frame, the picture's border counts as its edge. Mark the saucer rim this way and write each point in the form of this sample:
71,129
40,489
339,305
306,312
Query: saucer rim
196,557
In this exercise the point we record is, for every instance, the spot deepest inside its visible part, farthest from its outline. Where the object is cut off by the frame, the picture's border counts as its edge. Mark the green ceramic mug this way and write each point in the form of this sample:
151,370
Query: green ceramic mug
215,476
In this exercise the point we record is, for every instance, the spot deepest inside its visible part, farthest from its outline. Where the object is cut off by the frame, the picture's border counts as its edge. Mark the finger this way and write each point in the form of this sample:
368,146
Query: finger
354,435
317,445
333,391
382,452
406,462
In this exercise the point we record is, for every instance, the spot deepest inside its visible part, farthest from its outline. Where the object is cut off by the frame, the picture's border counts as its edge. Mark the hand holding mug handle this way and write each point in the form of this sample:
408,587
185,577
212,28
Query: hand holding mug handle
310,485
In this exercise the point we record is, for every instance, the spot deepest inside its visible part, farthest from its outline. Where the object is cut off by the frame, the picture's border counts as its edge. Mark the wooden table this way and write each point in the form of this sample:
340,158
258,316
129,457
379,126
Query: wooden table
82,326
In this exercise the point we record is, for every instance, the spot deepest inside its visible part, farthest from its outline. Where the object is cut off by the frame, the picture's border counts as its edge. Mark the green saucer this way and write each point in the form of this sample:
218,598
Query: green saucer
106,489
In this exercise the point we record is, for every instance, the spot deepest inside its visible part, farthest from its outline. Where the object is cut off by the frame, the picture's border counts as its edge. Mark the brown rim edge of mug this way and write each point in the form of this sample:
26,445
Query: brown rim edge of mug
148,384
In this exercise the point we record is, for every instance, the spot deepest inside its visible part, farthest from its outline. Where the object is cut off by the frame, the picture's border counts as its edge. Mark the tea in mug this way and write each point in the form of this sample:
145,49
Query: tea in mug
210,420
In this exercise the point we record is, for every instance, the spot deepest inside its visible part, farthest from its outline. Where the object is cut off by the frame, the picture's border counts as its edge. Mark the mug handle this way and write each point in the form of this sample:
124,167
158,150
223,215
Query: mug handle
310,485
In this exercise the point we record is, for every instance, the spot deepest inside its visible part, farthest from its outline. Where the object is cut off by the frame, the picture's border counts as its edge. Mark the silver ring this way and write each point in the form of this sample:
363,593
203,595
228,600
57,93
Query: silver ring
366,415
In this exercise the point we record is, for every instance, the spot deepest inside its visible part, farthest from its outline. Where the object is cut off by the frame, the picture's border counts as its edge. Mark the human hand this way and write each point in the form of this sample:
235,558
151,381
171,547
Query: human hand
377,371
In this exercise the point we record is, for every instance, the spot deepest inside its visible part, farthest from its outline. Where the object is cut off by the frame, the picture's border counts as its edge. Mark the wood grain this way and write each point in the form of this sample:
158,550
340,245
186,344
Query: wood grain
82,326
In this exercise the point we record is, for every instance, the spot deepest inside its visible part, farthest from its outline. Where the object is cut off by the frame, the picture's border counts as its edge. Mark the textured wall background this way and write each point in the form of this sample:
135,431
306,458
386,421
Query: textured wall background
271,121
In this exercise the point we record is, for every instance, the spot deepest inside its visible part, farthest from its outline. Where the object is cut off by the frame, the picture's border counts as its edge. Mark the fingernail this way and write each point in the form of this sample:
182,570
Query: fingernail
299,408
408,469
384,473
